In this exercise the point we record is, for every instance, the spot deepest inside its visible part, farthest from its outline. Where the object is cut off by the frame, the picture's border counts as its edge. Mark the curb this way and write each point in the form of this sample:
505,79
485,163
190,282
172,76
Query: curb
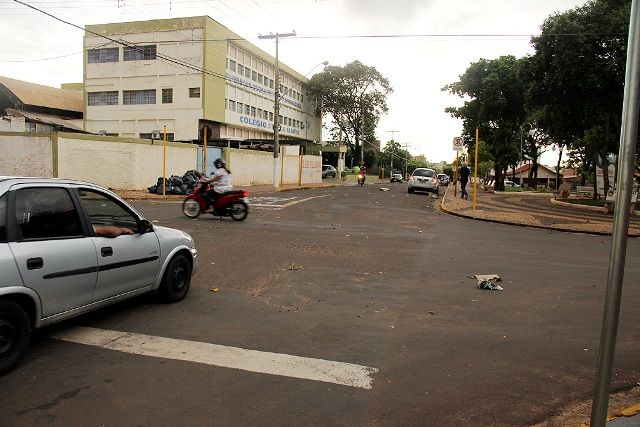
578,207
518,224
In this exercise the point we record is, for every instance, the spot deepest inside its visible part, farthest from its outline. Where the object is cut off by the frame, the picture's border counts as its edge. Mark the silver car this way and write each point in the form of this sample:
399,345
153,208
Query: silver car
423,179
69,247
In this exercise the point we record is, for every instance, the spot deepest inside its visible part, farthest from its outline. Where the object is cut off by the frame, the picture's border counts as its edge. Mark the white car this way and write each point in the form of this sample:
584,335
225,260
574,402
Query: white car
509,183
69,247
423,179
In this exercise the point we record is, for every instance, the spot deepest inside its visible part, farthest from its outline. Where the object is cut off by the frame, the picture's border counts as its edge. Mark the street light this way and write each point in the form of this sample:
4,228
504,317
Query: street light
325,63
276,109
307,123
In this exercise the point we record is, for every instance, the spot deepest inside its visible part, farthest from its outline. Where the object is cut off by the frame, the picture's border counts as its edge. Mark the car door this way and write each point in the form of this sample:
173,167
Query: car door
126,262
52,250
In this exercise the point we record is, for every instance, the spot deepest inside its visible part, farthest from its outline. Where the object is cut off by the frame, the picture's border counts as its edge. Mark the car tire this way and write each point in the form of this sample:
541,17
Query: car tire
238,211
410,190
191,208
176,280
15,331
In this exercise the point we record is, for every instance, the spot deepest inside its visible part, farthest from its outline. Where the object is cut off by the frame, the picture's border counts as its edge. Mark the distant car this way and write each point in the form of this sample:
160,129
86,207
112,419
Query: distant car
329,171
509,183
69,247
396,177
423,179
443,178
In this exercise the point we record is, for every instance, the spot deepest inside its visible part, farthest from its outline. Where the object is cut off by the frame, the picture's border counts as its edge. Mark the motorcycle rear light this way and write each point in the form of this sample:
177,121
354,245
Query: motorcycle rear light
245,193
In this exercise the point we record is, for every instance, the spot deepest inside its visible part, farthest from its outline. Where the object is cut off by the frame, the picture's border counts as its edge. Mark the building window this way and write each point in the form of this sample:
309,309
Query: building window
232,65
281,119
102,98
266,115
246,109
254,76
108,54
170,136
136,97
260,78
271,83
270,116
247,72
301,97
167,96
240,107
289,121
194,92
240,69
232,105
260,113
139,53
253,111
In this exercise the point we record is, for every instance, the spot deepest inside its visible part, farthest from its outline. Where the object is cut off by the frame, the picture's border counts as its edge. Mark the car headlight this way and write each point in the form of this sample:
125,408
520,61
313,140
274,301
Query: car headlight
194,252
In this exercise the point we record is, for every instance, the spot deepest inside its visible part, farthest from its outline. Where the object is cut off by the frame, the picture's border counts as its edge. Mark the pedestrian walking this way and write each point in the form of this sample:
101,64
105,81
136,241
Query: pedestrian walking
464,179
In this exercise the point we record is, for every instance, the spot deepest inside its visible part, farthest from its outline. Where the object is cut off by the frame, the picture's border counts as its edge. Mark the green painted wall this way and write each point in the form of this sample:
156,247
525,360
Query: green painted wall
215,62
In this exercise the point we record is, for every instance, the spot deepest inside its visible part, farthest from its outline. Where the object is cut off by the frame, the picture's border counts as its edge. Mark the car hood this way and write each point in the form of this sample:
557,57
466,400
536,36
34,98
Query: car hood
173,236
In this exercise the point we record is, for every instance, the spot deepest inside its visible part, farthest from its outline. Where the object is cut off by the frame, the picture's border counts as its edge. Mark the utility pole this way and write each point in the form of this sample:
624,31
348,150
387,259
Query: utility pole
405,147
276,109
393,132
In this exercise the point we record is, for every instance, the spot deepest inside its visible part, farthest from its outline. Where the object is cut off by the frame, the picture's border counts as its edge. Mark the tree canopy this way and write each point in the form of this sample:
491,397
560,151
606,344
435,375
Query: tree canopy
355,95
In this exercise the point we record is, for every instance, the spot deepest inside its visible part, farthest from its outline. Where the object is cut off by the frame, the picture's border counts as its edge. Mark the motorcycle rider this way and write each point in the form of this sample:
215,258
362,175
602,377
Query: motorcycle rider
221,179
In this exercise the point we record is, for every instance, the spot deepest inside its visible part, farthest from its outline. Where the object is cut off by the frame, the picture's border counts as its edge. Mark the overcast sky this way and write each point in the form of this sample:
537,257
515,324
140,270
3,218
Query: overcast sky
39,49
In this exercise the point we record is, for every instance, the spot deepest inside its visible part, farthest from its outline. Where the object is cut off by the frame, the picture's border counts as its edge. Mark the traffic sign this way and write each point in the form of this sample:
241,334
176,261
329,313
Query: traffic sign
458,144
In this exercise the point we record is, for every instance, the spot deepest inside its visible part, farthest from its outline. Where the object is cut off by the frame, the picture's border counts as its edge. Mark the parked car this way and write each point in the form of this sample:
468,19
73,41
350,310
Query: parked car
329,171
423,179
396,177
509,183
69,247
443,178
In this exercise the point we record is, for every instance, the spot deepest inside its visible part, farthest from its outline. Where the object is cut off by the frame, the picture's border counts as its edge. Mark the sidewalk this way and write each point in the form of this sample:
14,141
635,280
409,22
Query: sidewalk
532,210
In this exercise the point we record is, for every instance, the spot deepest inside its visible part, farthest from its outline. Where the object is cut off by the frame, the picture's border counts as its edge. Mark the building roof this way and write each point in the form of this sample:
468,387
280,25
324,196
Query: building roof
48,119
44,96
527,166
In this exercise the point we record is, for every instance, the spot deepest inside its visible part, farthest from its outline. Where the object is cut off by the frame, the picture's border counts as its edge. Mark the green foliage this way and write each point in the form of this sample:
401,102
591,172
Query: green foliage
496,107
577,76
356,96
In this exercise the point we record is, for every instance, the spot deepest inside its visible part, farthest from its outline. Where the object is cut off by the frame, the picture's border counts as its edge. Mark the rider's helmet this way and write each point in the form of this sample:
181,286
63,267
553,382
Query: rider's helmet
218,163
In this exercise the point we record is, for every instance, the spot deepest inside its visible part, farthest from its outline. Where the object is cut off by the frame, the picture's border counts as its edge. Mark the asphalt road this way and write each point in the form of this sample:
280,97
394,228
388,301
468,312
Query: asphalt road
355,275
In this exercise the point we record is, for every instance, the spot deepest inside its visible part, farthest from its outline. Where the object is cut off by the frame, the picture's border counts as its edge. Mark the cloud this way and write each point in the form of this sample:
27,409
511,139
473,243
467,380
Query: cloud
385,15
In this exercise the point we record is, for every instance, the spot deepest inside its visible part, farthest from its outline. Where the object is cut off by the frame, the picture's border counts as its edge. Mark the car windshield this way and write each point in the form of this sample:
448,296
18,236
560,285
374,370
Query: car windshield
422,172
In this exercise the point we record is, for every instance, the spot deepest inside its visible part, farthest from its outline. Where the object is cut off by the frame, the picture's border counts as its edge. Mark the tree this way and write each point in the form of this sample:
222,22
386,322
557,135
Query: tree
355,96
496,108
577,76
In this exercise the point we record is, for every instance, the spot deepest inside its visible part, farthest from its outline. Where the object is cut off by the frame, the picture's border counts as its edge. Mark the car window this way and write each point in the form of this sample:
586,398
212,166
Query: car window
3,218
422,172
45,213
104,211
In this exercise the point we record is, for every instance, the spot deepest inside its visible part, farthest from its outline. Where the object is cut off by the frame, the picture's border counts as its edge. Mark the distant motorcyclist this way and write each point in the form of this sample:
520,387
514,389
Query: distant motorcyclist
221,179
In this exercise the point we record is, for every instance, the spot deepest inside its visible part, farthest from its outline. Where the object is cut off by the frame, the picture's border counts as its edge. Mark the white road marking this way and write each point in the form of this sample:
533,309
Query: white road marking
272,205
342,373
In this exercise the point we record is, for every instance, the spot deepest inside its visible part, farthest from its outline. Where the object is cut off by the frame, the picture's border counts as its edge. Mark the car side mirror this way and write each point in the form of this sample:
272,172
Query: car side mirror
145,226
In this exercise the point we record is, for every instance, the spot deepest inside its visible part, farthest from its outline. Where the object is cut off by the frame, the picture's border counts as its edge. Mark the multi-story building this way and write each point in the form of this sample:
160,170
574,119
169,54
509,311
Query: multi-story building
189,74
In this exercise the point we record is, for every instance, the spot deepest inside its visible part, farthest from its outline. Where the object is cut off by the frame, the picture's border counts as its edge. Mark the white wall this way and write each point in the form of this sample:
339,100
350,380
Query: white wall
25,155
133,165
311,169
249,167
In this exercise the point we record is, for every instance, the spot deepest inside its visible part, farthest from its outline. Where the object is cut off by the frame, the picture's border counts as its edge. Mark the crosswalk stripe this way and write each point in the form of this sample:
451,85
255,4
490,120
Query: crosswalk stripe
342,373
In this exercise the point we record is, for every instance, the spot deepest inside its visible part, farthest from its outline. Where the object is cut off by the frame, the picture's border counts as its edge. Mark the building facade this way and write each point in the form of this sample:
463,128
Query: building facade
192,75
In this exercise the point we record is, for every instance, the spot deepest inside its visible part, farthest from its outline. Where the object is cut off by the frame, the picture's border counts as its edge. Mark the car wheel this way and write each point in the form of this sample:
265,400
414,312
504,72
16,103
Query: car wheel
410,190
176,280
191,208
15,330
239,211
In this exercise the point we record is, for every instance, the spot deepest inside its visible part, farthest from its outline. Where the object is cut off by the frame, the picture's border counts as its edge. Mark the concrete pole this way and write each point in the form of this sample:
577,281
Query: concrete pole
276,110
626,161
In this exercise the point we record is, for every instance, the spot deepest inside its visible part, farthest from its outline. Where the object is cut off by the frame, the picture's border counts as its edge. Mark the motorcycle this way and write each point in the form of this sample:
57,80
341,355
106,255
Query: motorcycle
361,179
231,203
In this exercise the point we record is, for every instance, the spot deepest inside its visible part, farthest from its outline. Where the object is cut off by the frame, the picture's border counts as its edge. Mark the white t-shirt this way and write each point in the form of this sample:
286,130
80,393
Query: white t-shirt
223,183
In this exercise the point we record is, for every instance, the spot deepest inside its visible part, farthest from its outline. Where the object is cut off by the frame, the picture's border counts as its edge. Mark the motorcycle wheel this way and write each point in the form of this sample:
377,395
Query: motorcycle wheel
238,211
191,208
